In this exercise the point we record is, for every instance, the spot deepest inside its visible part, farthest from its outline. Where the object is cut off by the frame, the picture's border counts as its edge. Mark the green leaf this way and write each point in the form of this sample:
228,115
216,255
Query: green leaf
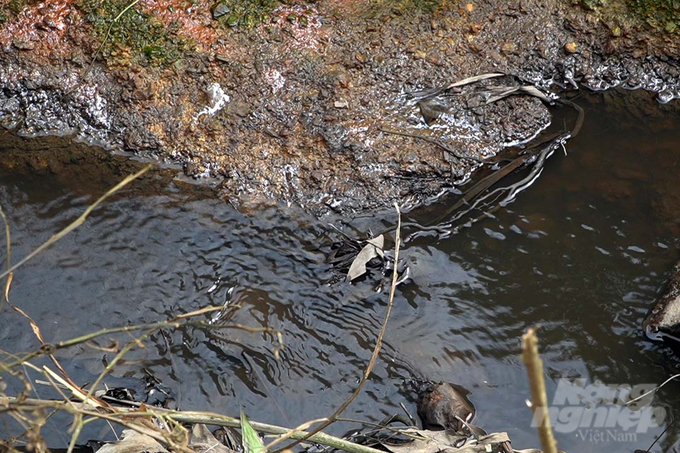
251,441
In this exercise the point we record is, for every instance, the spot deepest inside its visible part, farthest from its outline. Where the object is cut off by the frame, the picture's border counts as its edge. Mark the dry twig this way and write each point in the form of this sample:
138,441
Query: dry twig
539,398
376,349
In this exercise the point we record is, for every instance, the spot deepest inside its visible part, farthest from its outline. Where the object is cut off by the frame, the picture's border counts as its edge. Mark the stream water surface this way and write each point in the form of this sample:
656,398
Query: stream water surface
583,253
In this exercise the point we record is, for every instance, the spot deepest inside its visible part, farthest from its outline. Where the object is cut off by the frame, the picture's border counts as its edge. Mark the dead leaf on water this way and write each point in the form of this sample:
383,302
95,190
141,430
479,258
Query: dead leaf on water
445,441
372,249
203,441
425,441
133,442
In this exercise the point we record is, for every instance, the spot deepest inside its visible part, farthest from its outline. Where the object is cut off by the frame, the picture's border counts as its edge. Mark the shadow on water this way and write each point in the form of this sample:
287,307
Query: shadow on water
584,253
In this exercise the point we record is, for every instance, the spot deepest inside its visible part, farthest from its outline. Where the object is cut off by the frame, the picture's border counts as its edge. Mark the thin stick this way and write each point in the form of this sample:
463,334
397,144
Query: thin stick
78,425
534,364
293,431
675,376
8,283
116,359
434,141
426,94
79,221
175,323
30,404
376,350
8,240
106,36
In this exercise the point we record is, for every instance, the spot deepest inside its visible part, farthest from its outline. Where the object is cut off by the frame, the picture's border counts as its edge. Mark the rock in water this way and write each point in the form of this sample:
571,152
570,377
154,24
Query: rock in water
663,324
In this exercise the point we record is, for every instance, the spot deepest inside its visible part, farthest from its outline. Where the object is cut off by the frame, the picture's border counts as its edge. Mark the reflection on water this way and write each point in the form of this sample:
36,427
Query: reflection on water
584,252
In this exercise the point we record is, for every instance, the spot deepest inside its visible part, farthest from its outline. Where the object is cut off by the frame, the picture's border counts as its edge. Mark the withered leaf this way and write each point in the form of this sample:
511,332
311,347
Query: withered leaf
372,249
133,442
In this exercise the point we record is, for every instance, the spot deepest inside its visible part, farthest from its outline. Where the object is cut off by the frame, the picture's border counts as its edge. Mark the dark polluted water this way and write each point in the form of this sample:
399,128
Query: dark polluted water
584,252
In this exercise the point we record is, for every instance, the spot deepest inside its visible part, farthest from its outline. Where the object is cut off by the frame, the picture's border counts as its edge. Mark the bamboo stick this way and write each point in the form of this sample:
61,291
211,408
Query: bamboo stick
534,364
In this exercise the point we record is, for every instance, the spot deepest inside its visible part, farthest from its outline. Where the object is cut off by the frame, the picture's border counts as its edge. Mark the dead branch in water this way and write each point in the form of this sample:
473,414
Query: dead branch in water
376,349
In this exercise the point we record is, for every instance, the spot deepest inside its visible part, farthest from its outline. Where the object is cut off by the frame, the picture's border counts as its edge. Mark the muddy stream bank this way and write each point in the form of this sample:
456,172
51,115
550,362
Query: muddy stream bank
287,101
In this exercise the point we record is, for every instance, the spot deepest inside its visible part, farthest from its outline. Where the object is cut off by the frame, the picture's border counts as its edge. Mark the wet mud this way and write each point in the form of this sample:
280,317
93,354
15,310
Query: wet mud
292,105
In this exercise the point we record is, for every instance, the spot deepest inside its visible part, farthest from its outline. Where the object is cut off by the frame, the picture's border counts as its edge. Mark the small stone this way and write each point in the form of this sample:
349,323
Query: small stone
434,60
341,104
241,108
495,56
419,55
570,47
23,45
220,9
509,47
50,23
55,166
341,77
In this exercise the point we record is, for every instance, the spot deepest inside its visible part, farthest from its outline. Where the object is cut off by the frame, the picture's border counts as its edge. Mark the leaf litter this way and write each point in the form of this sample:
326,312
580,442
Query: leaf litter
372,249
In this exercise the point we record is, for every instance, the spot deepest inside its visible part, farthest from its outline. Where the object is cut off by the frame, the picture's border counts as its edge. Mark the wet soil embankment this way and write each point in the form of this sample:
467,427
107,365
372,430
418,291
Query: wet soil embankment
289,101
